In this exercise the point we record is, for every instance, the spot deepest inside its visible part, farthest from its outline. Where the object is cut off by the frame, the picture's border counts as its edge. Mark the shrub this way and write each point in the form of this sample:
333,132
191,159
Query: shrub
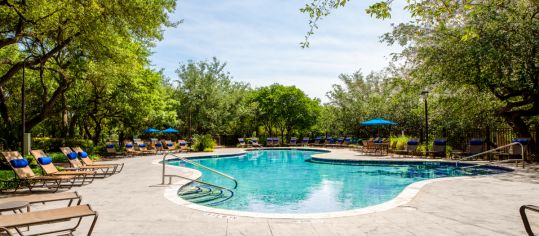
203,143
401,141
53,144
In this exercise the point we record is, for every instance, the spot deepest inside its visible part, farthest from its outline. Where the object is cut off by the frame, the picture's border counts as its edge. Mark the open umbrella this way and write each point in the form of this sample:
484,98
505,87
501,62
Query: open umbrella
151,130
170,130
378,121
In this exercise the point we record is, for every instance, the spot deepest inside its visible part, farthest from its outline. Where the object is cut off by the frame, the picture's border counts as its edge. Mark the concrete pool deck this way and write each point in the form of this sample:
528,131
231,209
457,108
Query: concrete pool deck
133,203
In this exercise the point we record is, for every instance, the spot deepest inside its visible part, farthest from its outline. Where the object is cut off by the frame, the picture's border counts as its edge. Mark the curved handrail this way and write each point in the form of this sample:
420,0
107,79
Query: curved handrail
495,149
524,217
201,166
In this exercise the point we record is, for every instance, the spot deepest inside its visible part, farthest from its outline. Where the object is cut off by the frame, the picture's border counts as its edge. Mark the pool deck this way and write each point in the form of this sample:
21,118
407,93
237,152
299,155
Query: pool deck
133,203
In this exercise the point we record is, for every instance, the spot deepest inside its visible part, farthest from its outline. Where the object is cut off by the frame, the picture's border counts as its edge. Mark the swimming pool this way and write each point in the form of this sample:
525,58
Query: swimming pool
290,181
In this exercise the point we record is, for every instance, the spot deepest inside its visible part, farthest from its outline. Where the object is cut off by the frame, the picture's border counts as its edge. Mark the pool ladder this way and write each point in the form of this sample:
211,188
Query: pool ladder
199,191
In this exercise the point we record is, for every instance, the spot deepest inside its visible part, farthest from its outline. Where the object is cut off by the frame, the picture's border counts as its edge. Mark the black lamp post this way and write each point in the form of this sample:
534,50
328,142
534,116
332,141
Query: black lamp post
23,105
425,95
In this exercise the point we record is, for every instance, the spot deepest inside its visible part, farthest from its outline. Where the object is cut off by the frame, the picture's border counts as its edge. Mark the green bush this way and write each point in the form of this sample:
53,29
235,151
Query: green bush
401,141
53,144
203,143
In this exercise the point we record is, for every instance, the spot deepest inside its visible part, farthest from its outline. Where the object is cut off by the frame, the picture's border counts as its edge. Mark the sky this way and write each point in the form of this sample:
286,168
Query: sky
260,42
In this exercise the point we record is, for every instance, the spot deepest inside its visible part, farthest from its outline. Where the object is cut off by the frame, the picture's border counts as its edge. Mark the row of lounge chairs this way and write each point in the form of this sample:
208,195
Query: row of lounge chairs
82,171
74,211
139,147
275,141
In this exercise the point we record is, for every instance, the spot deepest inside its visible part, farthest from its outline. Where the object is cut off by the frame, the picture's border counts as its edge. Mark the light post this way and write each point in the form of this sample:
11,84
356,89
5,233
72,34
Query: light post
424,95
23,106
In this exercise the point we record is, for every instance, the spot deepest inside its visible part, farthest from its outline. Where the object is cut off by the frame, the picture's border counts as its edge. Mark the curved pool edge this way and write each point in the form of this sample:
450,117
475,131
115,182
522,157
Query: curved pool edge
404,197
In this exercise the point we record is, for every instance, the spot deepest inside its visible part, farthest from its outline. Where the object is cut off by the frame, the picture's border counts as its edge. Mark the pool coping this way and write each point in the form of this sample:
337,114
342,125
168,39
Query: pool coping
404,197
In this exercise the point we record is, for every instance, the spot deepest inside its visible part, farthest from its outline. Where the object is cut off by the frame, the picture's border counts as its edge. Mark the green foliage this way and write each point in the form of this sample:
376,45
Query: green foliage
53,144
401,141
285,109
210,103
203,143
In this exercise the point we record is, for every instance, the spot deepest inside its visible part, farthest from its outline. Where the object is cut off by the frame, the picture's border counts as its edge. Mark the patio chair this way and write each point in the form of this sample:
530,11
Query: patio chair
241,142
317,141
111,149
368,147
170,146
276,141
516,150
293,141
46,217
269,141
143,148
254,142
102,170
45,162
346,142
26,177
183,145
86,161
130,148
73,197
305,141
409,149
438,148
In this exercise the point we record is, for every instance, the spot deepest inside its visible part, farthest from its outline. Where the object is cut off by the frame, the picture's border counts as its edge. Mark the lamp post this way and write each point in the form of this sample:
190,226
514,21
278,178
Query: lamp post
424,95
23,105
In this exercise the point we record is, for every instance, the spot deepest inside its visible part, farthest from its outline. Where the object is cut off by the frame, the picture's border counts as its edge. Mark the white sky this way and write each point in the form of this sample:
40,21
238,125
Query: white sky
259,41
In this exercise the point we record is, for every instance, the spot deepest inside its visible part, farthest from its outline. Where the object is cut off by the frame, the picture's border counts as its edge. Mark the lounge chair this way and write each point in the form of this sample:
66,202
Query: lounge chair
293,141
438,148
516,150
72,157
73,197
143,148
111,149
183,145
346,142
130,148
46,217
86,161
170,146
276,142
269,141
26,177
158,147
45,162
409,149
305,141
317,141
242,142
254,142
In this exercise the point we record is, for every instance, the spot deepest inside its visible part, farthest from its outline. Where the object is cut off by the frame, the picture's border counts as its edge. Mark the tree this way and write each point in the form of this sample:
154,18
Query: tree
210,103
285,108
56,40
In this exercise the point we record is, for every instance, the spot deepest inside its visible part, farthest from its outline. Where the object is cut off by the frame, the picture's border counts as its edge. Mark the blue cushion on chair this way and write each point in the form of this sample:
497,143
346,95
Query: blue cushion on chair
158,145
521,140
170,144
142,145
129,145
19,163
440,142
110,145
413,142
72,155
44,160
183,143
83,154
476,142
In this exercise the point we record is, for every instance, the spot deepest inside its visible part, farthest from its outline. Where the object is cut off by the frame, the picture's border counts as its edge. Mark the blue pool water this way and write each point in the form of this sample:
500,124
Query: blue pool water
286,181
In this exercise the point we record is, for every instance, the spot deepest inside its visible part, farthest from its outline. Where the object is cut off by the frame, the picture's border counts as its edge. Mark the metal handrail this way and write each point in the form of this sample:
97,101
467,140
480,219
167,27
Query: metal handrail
525,218
199,165
495,149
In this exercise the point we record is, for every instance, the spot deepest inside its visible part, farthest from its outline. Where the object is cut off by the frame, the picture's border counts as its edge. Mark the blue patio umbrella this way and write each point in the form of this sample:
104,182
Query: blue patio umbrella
151,130
378,121
170,130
